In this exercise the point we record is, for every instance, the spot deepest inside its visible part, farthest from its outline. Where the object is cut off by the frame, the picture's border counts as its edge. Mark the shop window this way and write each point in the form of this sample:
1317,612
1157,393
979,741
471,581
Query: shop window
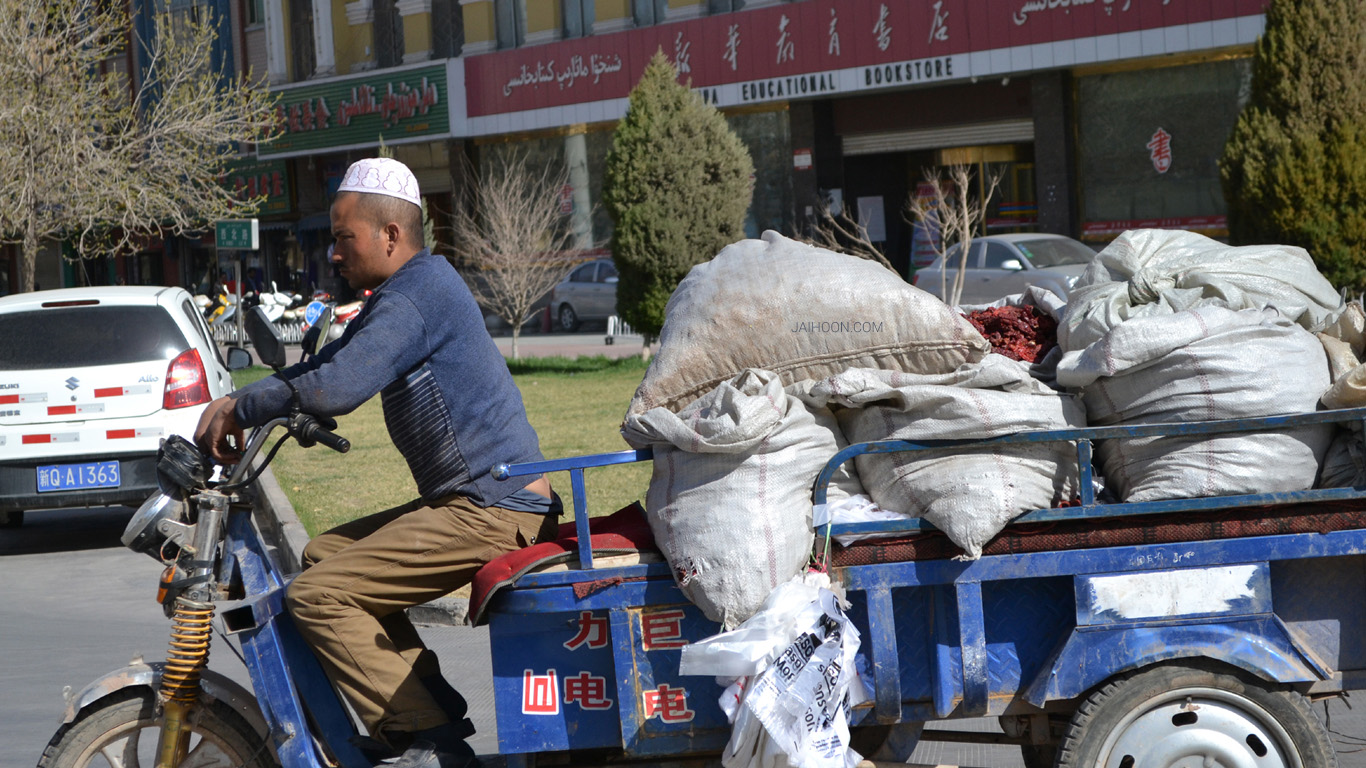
724,6
578,17
388,26
767,137
648,13
302,59
509,21
1149,142
448,29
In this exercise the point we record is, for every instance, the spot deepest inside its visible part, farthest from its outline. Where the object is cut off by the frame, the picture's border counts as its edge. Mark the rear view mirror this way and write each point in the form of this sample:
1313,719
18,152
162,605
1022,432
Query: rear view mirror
270,347
1012,264
315,338
238,359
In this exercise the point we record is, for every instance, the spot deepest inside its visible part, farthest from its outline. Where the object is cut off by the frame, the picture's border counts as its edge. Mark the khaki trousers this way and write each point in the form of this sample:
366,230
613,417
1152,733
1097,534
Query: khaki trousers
359,577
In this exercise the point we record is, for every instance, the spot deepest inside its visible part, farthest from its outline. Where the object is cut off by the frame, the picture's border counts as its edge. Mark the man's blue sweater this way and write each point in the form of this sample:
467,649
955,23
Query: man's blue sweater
450,404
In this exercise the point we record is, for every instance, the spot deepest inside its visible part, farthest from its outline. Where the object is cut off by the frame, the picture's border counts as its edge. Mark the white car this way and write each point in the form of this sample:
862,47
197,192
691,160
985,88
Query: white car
91,381
1001,265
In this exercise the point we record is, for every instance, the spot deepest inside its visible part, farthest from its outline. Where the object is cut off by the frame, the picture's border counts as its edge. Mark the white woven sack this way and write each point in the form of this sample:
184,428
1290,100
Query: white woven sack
1152,272
730,497
802,312
968,494
1204,364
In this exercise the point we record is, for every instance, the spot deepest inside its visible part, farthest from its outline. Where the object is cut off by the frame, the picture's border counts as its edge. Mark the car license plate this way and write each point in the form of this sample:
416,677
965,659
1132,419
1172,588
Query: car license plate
71,477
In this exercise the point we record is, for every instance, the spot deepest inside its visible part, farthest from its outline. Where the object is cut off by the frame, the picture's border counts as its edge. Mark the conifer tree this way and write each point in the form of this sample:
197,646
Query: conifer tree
1294,168
677,186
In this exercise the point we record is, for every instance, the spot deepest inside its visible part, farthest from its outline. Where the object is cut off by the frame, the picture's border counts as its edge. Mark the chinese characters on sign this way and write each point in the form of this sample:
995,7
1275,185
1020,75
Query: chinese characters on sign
588,691
1160,150
668,703
882,30
662,630
540,693
592,632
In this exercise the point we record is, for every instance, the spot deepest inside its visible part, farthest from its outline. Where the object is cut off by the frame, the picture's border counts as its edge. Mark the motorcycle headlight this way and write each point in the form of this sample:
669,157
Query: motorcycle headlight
142,534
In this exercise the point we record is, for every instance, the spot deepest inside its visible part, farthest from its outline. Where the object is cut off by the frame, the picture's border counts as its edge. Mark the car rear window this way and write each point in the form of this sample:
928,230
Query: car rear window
81,336
1048,252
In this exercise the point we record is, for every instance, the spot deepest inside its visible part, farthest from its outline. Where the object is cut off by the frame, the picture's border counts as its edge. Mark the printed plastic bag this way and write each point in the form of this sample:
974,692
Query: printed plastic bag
799,679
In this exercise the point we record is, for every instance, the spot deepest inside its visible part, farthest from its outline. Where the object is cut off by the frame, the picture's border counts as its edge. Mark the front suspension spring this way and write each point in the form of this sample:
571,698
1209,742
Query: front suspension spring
191,626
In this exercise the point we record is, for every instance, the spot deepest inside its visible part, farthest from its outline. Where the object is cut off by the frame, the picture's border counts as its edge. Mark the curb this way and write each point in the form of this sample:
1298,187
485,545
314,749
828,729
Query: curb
285,538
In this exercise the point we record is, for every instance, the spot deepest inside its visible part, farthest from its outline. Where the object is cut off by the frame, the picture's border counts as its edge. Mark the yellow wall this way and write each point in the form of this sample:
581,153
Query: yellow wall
351,44
611,10
478,22
417,33
542,15
682,3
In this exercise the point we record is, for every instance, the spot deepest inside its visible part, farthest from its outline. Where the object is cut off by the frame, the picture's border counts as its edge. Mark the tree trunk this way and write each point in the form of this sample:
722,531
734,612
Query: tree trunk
28,259
516,334
645,341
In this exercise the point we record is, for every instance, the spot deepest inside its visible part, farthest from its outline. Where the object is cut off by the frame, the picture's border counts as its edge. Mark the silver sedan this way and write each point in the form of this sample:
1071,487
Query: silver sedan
1001,265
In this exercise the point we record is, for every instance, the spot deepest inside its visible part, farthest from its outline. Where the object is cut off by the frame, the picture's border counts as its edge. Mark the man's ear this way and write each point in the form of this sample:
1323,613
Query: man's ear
393,235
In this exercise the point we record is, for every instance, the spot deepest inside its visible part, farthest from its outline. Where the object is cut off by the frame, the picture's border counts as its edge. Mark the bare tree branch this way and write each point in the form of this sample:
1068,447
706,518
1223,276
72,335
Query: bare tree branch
513,240
92,161
955,215
841,234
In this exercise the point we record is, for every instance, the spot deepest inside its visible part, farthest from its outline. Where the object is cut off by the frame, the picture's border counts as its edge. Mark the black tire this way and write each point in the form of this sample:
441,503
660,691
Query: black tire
12,519
127,726
569,319
1175,712
1039,755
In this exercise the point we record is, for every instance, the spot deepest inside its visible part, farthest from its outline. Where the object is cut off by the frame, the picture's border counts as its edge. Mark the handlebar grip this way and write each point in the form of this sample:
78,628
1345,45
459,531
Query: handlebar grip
308,431
332,440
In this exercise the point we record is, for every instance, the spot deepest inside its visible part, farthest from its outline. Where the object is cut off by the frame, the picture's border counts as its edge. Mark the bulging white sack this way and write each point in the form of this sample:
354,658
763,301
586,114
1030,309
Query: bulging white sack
730,496
970,494
1204,364
1153,272
802,312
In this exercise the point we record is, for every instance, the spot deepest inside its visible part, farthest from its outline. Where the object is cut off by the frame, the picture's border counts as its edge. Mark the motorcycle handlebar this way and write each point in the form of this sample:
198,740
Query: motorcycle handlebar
307,430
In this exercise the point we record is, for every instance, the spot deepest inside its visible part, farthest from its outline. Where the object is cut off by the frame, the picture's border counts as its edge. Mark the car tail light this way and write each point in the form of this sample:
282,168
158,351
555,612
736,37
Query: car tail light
186,382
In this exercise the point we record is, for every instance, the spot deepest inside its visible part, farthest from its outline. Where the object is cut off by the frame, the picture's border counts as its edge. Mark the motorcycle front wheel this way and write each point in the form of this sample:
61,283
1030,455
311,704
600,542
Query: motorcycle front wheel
122,731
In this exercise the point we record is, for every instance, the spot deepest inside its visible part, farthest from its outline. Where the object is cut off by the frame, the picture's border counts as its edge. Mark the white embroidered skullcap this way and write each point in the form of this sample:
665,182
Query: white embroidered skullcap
381,176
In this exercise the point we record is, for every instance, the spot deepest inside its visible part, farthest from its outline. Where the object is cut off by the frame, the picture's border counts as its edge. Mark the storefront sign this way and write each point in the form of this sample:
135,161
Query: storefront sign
269,179
1206,224
357,110
237,234
801,159
821,46
1160,150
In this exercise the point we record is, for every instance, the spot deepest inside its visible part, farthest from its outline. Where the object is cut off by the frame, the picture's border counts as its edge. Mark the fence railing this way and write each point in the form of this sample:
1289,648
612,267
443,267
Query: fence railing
292,332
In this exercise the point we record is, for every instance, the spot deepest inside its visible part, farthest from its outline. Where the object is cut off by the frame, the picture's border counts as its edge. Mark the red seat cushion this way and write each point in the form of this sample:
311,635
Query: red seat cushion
622,532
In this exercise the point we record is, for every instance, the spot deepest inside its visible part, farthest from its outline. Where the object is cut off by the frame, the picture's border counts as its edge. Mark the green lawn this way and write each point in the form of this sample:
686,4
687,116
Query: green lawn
575,406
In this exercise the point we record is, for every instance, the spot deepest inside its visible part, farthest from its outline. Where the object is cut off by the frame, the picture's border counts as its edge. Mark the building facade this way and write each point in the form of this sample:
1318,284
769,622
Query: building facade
1100,115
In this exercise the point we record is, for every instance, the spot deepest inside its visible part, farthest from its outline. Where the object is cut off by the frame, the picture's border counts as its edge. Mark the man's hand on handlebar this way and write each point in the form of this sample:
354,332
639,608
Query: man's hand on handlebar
216,425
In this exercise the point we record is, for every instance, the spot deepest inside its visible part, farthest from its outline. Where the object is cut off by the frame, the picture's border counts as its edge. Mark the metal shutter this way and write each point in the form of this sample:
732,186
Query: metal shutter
1003,132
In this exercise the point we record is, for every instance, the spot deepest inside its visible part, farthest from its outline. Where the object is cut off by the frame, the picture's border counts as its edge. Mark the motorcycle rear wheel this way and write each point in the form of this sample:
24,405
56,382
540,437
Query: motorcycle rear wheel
122,732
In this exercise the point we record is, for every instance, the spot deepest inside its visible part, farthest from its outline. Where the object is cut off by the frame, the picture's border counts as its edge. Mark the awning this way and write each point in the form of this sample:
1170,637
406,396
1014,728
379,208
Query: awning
316,221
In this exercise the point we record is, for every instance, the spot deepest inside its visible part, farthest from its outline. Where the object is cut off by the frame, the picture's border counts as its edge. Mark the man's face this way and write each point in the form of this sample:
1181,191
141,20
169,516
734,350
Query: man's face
362,250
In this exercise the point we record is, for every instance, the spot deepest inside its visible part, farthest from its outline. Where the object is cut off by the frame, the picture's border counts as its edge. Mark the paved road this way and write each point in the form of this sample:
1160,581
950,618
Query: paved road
75,605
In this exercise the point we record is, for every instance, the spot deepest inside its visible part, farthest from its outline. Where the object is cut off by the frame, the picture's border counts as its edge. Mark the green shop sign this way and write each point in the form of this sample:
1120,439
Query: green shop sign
359,110
249,178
